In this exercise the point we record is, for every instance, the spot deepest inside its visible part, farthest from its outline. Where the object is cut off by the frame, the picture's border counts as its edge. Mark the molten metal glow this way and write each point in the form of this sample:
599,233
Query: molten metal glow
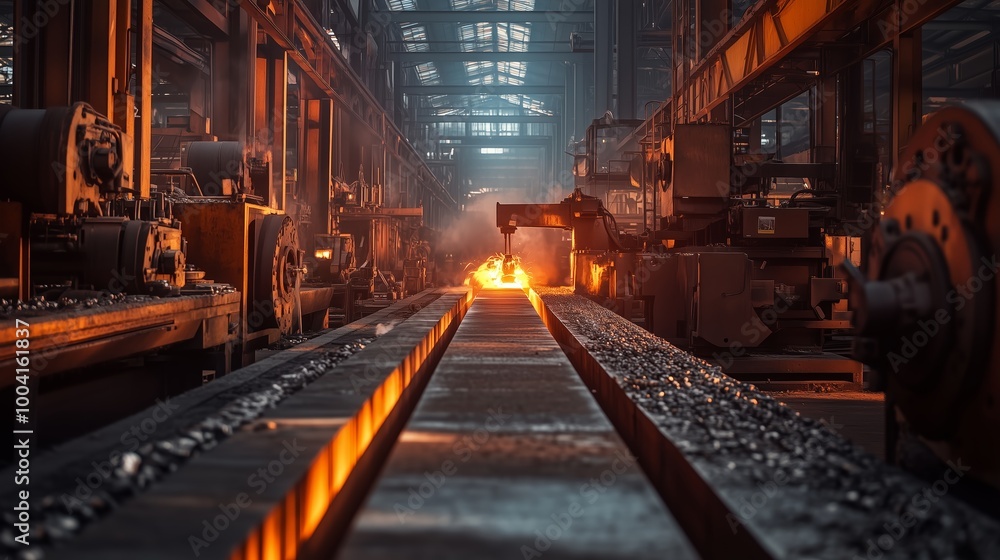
597,276
490,274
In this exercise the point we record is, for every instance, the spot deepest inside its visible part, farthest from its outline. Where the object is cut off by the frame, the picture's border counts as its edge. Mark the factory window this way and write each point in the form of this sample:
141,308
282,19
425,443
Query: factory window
7,59
527,102
427,73
959,58
449,129
795,136
769,132
499,5
786,131
336,41
740,8
398,5
495,129
414,37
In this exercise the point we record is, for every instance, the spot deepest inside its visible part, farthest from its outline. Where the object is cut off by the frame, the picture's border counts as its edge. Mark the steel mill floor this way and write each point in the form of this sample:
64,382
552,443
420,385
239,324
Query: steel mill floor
495,423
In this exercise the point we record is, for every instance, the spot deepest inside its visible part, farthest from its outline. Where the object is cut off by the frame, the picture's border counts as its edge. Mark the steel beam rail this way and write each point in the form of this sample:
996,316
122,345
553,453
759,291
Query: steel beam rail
536,119
67,340
329,72
768,33
552,17
542,56
483,89
775,28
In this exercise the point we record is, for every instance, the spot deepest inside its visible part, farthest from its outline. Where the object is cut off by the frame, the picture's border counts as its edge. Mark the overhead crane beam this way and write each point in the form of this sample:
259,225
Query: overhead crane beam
774,29
513,16
484,89
529,119
203,15
766,34
541,56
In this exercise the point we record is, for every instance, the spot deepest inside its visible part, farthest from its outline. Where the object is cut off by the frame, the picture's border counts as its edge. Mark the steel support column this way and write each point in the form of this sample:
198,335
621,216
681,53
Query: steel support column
270,112
144,94
626,33
824,110
907,88
603,33
316,163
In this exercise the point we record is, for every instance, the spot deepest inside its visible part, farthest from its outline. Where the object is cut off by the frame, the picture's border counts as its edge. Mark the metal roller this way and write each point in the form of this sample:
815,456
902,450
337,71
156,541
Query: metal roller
278,262
112,254
219,167
61,160
926,308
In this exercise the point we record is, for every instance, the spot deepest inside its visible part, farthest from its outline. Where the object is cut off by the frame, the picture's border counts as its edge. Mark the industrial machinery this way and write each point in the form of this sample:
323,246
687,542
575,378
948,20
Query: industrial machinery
235,238
74,212
608,165
334,257
926,305
727,271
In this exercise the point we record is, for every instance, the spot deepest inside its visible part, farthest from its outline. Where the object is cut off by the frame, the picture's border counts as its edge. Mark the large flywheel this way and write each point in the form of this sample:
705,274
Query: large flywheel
278,262
926,309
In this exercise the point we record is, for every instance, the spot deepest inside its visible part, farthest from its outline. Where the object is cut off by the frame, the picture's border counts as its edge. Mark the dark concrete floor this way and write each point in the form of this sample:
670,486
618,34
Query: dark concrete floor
856,415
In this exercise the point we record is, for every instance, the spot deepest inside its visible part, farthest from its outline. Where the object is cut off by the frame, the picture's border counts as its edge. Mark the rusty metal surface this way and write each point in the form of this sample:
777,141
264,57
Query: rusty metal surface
788,367
316,299
508,456
309,444
78,338
745,475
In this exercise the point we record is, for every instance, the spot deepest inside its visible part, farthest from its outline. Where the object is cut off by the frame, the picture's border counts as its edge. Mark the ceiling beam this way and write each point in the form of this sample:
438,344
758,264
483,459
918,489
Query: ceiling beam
540,119
447,16
438,56
496,141
202,15
483,89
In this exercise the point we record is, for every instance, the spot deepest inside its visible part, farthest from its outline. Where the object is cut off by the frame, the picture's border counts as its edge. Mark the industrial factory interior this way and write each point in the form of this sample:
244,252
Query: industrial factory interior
500,279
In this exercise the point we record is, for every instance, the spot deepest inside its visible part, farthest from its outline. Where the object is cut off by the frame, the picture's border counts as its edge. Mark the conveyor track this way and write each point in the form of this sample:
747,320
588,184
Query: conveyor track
506,425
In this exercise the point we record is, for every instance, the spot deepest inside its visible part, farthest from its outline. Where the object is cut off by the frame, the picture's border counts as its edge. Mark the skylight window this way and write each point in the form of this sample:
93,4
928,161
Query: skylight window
516,5
427,73
499,5
528,102
415,37
489,37
399,5
472,4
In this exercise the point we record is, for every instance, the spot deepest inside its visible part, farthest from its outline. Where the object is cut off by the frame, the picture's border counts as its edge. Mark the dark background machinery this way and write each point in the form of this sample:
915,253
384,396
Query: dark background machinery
725,270
926,304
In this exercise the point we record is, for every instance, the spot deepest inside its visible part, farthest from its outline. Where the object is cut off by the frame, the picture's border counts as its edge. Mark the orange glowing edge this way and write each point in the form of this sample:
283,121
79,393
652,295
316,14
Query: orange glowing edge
491,274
